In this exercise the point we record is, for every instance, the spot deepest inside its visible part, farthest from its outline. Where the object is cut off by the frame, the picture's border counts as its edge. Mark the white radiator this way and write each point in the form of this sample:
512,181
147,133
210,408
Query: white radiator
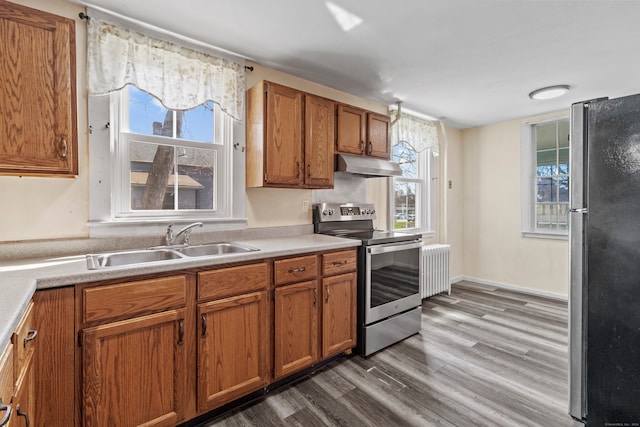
434,277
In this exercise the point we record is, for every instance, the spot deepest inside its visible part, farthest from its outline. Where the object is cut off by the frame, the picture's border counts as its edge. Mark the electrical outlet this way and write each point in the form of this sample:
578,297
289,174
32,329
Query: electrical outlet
305,205
450,184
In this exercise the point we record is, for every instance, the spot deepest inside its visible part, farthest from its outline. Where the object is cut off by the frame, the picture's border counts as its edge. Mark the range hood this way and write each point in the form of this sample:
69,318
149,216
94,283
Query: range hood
367,167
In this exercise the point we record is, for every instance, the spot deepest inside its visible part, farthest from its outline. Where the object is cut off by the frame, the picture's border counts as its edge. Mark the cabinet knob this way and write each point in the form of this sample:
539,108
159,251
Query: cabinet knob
362,146
370,148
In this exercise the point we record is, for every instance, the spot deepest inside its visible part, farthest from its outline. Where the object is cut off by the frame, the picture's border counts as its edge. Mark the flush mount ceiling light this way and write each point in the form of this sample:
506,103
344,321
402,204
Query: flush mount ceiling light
549,92
347,20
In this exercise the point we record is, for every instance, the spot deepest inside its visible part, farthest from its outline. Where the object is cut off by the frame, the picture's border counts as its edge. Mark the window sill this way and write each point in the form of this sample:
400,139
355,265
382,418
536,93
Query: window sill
542,235
146,227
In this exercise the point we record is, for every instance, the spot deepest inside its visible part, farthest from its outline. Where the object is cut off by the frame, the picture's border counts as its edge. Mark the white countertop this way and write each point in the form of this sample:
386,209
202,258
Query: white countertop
20,279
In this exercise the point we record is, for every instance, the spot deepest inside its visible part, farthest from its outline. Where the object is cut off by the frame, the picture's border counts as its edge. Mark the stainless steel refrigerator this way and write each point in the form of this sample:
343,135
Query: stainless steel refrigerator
604,301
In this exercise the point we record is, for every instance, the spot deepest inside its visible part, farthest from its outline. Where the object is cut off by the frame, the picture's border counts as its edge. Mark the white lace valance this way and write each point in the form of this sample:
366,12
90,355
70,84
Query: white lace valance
419,133
180,77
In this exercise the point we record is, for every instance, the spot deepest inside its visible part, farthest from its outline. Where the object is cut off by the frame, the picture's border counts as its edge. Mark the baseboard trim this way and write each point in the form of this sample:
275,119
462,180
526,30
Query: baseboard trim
529,291
457,279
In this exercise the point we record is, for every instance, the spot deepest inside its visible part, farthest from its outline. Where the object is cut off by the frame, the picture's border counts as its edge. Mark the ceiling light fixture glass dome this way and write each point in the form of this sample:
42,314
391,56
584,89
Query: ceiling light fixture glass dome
549,92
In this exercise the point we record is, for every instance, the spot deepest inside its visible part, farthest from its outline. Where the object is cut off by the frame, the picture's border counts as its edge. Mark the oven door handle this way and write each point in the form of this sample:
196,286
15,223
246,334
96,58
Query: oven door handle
380,249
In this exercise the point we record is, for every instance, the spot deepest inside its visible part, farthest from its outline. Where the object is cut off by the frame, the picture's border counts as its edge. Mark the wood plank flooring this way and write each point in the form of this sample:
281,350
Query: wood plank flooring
485,357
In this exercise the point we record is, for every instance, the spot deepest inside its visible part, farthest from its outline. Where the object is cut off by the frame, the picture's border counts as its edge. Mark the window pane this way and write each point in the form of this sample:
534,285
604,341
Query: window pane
563,189
563,161
155,185
405,205
546,190
196,184
546,136
198,123
406,157
563,133
147,116
546,163
546,216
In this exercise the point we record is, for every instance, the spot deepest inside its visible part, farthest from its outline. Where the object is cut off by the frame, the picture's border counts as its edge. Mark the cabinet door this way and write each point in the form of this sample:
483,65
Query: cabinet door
24,402
296,327
38,132
338,314
319,133
378,136
352,125
134,371
283,145
6,381
233,355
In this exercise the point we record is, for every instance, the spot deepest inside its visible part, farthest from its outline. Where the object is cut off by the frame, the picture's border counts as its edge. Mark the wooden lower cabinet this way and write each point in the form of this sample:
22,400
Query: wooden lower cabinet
296,327
24,403
6,383
233,348
134,371
338,314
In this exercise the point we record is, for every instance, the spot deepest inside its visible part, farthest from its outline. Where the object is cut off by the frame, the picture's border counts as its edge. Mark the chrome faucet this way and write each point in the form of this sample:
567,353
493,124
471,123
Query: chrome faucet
171,238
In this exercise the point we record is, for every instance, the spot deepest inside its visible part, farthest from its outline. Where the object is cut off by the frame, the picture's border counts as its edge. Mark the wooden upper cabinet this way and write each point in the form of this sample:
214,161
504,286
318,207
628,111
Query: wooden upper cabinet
319,132
352,130
38,131
289,138
378,136
362,133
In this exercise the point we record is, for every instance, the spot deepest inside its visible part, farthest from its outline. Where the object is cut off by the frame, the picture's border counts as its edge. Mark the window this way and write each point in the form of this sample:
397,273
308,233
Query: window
168,161
411,194
545,167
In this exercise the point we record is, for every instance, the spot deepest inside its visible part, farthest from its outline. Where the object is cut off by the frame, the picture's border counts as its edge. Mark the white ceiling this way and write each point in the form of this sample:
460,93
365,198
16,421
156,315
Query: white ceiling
470,62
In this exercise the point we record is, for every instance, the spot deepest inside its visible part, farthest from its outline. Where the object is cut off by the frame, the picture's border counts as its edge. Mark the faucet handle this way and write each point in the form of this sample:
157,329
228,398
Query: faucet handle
169,236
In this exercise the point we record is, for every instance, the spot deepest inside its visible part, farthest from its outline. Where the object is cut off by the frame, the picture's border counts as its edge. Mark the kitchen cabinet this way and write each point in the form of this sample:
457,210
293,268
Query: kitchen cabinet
23,356
38,131
338,302
6,384
295,315
289,138
233,333
134,352
362,133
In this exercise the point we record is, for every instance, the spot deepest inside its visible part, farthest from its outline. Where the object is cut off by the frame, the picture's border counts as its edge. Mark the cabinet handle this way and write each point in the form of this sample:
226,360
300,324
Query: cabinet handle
23,414
362,146
315,296
180,331
326,288
7,413
62,147
31,335
298,169
343,262
297,270
204,325
370,147
309,170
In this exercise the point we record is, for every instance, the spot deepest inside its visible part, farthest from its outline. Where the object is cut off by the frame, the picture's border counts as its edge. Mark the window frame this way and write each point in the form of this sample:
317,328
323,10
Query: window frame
106,175
529,178
424,209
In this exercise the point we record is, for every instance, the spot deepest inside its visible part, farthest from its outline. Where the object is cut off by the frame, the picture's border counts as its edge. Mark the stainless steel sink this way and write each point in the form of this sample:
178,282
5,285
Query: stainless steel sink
214,249
144,256
141,256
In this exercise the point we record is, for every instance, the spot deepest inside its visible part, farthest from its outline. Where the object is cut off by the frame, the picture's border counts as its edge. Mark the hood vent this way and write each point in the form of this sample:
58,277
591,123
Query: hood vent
367,167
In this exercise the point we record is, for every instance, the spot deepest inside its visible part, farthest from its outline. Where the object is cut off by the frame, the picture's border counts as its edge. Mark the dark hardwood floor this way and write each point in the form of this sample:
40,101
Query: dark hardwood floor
485,357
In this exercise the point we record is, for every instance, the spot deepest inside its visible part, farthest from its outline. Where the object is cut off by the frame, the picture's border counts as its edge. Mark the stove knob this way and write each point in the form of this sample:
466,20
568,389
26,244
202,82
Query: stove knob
325,212
331,211
365,211
373,211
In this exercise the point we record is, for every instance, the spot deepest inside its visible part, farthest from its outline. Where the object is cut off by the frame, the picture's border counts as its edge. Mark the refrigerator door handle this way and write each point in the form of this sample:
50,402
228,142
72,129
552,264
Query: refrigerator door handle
579,210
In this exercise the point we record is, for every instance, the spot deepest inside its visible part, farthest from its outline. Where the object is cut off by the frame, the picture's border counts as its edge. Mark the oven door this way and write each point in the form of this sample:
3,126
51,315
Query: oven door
392,283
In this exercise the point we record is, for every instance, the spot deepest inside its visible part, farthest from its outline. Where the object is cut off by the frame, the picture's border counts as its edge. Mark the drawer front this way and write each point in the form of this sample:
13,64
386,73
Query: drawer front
133,298
339,262
6,375
23,341
231,281
295,269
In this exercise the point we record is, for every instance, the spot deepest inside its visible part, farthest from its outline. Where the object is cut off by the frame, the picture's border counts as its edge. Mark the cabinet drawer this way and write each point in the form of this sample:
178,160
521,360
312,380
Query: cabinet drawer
338,262
231,281
23,341
6,376
295,269
133,298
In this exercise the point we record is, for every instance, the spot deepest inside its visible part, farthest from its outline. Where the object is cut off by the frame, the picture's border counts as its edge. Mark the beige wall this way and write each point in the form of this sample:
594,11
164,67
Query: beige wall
494,249
455,204
44,208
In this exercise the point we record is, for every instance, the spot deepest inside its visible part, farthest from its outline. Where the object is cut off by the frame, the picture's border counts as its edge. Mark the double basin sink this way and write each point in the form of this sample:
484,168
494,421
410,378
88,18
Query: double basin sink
159,254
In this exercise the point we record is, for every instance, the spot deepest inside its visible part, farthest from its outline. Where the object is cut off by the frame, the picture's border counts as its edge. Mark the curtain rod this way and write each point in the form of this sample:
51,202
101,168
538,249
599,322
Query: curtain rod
156,29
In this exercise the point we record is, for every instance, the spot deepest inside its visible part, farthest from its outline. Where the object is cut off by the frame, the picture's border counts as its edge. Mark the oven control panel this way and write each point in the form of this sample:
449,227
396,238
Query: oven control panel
343,211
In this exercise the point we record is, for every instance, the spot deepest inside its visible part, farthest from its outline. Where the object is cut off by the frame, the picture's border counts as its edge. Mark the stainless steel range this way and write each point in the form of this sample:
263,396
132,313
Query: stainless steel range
388,274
